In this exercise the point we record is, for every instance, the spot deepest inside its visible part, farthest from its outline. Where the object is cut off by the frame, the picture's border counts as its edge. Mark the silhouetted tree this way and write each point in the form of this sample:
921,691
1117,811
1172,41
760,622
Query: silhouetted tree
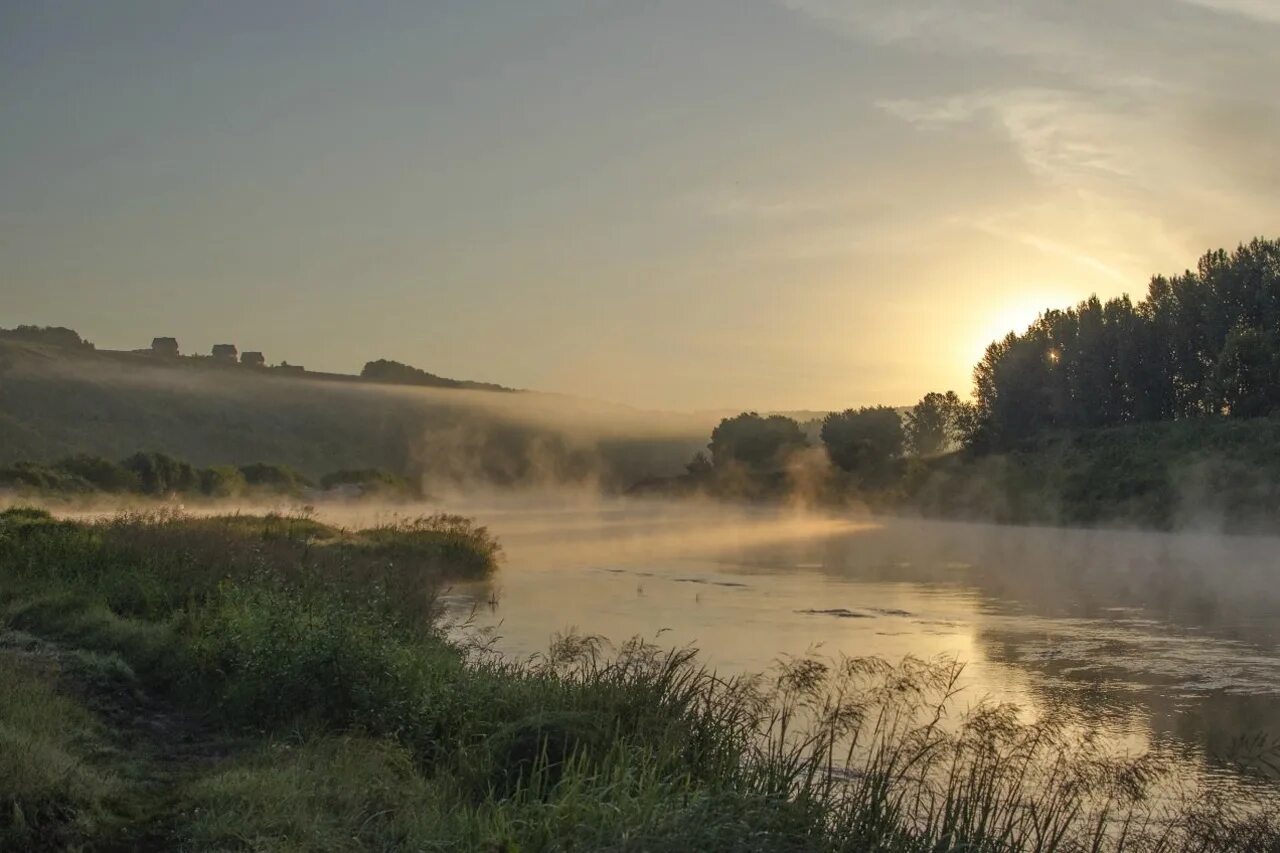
755,441
274,477
101,473
1248,373
58,336
222,481
865,441
159,473
1206,342
385,370
699,465
368,480
934,424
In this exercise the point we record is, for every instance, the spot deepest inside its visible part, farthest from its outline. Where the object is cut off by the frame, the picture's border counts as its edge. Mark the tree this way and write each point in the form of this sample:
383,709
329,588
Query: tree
758,442
1248,373
865,441
280,478
368,481
159,473
1201,343
102,473
58,336
385,370
699,466
934,424
222,481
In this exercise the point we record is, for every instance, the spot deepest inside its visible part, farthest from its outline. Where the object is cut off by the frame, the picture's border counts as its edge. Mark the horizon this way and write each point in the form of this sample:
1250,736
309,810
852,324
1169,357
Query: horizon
777,205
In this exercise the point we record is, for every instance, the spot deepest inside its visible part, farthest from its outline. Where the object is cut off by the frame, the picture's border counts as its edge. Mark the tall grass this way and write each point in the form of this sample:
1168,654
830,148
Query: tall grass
378,732
49,794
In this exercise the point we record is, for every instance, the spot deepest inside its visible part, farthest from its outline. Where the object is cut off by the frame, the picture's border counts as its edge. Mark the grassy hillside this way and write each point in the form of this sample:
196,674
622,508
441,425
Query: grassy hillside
1213,473
58,401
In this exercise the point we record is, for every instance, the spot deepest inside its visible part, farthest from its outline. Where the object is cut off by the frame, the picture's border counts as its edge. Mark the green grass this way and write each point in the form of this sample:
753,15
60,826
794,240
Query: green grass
50,795
362,727
335,793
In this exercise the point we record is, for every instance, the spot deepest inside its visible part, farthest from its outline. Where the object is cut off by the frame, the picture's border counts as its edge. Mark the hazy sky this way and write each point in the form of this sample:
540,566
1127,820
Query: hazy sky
685,204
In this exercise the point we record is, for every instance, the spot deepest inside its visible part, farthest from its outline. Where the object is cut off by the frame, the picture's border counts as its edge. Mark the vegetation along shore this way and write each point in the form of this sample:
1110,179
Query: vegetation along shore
274,683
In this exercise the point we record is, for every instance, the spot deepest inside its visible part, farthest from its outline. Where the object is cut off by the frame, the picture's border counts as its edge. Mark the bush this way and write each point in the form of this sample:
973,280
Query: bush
160,474
222,481
101,473
278,478
29,476
542,743
368,481
16,515
274,655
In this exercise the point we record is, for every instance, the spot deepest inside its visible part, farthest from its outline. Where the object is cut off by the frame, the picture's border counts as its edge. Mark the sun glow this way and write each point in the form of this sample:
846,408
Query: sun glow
1013,313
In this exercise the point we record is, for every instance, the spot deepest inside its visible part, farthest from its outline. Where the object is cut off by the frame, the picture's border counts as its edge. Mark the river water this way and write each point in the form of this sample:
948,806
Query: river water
1163,643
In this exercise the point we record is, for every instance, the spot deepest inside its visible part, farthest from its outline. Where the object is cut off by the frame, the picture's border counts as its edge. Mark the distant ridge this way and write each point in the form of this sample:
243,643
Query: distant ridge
393,372
54,340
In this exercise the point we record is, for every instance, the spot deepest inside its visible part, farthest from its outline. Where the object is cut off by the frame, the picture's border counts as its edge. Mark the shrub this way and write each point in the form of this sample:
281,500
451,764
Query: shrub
273,655
101,473
368,480
30,476
279,478
159,473
222,481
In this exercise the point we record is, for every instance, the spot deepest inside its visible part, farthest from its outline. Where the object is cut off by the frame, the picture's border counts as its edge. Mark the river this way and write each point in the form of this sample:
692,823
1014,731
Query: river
1163,643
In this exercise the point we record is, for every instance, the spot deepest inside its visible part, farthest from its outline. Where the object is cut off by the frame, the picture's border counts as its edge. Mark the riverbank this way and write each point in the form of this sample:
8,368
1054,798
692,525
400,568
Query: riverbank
270,683
1213,474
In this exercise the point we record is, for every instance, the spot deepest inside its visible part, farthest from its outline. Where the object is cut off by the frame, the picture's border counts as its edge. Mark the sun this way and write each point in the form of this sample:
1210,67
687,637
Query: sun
1002,314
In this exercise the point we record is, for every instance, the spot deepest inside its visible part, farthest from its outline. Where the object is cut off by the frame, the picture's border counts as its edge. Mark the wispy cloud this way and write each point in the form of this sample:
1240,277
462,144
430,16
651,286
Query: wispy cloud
1267,11
1060,44
1151,112
1061,136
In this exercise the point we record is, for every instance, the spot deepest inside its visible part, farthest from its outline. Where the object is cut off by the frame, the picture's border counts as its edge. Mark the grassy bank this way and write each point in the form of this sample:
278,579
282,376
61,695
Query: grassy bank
269,683
148,477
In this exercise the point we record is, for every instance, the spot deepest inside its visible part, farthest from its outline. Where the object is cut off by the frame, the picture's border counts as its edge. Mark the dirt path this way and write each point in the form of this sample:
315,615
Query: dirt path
153,746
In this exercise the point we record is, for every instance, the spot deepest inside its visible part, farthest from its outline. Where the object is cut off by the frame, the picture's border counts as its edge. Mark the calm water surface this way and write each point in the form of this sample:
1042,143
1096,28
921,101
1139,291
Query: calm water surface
1165,642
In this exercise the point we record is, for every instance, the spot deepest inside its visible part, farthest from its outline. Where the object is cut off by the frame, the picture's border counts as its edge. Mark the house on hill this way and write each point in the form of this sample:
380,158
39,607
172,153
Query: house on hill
164,347
225,352
252,359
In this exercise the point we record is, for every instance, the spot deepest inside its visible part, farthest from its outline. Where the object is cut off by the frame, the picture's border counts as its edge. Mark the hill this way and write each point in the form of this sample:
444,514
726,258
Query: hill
57,399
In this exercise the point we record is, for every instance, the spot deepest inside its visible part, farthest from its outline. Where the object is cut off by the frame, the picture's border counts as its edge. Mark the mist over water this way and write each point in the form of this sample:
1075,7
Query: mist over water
1157,643
1165,643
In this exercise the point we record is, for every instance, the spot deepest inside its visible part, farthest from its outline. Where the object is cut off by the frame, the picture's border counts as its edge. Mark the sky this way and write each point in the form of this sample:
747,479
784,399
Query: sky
675,204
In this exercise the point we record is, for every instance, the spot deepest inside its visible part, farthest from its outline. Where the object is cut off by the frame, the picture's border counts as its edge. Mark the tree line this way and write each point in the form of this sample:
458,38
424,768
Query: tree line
1205,343
1202,344
870,442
